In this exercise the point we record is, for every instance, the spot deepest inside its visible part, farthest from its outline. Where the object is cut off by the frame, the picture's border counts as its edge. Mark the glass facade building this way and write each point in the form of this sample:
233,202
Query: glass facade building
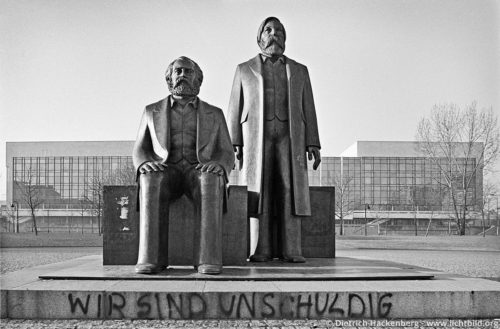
384,176
65,182
385,183
392,183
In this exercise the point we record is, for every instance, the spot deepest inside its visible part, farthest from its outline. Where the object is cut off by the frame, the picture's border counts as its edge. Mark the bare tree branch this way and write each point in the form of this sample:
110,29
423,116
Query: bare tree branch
344,202
463,144
30,194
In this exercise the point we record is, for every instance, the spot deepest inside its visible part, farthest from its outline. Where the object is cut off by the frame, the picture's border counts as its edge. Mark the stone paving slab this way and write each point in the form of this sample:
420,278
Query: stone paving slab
314,269
25,296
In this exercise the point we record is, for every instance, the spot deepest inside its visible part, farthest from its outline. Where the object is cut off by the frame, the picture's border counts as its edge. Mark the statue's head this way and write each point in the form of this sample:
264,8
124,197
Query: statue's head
184,77
271,37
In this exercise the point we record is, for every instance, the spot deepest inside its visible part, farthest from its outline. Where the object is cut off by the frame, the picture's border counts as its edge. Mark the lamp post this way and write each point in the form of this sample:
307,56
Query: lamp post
17,214
415,222
498,220
487,212
367,206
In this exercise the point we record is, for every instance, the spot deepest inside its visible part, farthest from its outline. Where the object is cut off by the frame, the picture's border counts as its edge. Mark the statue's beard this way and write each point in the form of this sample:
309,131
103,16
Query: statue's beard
183,88
272,46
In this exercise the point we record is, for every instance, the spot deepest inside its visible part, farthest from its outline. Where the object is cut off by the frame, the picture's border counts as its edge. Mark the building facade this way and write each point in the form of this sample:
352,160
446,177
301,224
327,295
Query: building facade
393,176
63,181
370,177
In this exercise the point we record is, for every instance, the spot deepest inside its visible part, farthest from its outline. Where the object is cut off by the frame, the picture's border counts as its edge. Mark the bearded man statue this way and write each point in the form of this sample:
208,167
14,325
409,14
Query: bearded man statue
273,126
182,147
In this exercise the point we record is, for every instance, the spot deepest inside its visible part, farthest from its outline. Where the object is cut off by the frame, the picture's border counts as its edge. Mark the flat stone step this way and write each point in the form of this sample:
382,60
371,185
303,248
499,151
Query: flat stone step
439,295
315,269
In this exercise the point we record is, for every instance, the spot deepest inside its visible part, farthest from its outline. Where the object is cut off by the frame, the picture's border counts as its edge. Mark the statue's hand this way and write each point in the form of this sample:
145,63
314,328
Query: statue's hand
238,150
211,167
314,151
152,166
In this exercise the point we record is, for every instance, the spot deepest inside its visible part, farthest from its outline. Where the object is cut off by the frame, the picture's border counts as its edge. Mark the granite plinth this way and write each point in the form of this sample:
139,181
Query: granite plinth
25,295
121,228
318,231
315,269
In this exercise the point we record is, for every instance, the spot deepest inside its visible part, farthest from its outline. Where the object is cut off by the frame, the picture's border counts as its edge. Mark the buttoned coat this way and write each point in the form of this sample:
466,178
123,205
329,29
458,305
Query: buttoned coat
212,138
246,127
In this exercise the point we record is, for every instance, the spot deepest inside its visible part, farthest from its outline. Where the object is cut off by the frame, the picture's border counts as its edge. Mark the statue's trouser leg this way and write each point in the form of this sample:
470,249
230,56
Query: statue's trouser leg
277,194
289,224
264,249
155,191
207,191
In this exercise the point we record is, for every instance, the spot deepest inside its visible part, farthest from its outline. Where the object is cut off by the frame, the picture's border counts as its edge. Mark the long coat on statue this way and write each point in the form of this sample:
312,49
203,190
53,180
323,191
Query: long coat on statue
246,127
212,138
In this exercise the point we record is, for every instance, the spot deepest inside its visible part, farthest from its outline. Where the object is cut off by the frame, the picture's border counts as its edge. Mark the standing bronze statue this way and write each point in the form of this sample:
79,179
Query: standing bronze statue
183,147
272,123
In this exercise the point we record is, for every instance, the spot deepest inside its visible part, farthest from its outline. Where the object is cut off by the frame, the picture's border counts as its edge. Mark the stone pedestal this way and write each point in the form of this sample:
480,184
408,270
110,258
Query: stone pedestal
341,288
318,231
121,228
120,225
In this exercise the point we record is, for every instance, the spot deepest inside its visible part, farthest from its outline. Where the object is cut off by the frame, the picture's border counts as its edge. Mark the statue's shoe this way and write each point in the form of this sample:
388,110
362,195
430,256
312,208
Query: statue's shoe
294,259
209,269
259,258
148,268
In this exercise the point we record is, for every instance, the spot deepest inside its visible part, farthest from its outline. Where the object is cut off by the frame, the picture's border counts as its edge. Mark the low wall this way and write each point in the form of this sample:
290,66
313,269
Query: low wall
44,239
121,227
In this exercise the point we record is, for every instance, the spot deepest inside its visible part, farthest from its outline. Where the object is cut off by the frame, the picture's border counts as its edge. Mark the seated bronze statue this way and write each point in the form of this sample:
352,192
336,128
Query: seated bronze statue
183,147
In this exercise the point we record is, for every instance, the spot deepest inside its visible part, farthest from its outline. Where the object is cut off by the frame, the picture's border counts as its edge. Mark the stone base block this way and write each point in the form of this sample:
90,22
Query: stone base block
318,231
121,228
24,295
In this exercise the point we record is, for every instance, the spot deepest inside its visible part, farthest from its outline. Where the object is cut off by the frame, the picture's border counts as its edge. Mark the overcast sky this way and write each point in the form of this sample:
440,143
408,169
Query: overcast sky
84,70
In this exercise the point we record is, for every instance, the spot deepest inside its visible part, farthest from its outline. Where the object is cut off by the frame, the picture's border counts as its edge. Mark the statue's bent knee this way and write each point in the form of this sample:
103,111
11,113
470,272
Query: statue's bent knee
210,179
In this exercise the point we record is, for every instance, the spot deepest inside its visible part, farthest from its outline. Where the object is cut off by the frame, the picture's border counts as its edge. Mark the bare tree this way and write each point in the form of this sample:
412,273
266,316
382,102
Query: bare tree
429,223
123,176
462,144
95,187
489,189
30,194
344,203
84,209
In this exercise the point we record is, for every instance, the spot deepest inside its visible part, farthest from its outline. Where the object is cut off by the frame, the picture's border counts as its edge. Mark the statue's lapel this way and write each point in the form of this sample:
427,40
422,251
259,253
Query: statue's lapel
292,73
205,124
291,69
256,66
161,119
